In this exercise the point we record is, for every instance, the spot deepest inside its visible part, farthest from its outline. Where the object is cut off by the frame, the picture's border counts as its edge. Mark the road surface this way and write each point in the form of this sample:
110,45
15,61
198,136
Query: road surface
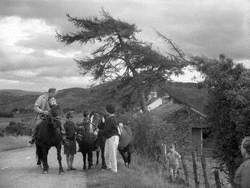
18,169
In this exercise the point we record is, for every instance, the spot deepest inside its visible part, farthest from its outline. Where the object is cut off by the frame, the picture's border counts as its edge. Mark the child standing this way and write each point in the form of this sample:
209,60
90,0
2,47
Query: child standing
70,143
174,162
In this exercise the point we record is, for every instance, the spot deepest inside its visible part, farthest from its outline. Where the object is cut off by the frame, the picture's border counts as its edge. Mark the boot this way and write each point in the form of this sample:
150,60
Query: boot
32,141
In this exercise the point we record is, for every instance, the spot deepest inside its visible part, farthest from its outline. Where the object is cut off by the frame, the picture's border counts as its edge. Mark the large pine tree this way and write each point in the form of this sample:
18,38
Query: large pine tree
121,56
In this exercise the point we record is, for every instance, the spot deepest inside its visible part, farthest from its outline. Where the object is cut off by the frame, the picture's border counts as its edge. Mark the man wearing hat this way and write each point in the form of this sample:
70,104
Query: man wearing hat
242,174
42,107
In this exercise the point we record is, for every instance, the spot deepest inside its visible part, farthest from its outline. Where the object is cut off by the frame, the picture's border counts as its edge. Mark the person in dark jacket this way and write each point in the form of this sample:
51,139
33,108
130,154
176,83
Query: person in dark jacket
70,143
242,174
111,135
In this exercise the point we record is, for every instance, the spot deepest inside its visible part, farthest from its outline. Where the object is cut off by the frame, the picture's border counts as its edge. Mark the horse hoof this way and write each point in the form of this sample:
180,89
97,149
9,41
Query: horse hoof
104,167
61,172
45,172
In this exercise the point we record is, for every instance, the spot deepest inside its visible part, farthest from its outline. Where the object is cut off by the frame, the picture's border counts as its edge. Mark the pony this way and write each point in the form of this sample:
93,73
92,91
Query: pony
49,135
125,146
87,140
99,123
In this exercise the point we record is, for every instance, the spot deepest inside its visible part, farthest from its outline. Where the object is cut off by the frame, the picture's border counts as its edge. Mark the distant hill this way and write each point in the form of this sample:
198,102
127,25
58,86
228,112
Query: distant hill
17,92
73,98
96,97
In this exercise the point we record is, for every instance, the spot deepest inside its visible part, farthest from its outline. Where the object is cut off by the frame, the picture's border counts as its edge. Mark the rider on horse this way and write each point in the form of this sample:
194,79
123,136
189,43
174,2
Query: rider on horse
42,107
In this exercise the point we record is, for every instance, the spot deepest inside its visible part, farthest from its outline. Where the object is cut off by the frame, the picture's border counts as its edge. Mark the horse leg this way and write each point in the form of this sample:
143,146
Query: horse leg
122,152
90,159
59,158
84,160
102,146
97,157
39,155
44,160
38,162
129,158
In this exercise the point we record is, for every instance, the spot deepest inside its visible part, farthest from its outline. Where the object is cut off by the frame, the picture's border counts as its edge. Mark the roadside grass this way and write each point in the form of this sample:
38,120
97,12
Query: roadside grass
141,174
13,142
145,173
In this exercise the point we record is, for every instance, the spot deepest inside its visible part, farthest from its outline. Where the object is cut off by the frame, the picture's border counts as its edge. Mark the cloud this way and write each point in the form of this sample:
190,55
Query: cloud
32,58
60,54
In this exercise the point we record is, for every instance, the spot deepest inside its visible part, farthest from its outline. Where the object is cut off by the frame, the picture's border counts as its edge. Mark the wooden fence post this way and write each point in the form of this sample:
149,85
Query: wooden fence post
203,164
195,170
217,179
185,170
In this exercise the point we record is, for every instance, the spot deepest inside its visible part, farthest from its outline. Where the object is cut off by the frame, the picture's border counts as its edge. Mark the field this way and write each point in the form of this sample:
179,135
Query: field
25,118
13,142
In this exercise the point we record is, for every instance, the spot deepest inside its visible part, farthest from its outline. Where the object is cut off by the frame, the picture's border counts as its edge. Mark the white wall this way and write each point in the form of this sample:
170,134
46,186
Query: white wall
155,104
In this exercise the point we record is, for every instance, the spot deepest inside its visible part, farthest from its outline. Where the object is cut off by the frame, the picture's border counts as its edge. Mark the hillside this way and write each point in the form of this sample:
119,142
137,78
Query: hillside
75,98
96,97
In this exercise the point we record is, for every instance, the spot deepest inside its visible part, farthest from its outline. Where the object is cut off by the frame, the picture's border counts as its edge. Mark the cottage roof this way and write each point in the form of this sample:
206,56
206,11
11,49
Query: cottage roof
189,95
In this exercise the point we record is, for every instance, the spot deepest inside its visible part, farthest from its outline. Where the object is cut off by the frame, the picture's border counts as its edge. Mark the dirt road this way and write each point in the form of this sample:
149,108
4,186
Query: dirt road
18,169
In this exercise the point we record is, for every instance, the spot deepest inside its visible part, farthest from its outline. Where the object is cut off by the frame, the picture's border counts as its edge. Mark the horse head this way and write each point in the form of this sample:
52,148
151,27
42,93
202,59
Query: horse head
94,118
54,117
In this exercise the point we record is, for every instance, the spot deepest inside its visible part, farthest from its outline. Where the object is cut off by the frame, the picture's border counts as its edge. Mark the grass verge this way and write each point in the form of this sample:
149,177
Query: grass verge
141,174
13,142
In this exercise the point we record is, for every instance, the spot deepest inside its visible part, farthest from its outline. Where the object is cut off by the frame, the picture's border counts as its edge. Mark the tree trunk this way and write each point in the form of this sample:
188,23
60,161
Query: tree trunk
217,179
143,101
204,169
195,170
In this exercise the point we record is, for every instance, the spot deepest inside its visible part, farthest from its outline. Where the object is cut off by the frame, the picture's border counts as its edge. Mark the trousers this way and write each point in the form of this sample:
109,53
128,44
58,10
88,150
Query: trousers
111,146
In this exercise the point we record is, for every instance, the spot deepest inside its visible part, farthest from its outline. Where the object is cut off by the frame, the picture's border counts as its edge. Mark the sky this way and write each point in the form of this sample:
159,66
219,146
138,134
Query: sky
32,59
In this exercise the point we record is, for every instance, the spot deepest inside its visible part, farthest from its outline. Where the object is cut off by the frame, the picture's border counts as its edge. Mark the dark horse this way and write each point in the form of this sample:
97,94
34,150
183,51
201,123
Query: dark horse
49,135
125,146
88,141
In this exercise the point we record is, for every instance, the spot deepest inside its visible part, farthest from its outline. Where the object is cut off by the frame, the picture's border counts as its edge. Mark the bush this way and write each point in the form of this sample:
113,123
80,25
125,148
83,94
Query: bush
149,134
1,132
17,128
228,109
6,114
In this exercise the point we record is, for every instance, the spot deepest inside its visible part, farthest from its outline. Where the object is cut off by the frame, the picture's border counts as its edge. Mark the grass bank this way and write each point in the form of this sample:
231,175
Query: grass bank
13,142
141,174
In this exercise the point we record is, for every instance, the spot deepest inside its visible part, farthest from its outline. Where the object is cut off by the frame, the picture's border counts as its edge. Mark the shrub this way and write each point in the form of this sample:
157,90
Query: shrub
17,128
228,109
6,114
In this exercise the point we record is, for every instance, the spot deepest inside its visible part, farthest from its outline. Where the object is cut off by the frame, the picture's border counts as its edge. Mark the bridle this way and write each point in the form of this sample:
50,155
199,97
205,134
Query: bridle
94,126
